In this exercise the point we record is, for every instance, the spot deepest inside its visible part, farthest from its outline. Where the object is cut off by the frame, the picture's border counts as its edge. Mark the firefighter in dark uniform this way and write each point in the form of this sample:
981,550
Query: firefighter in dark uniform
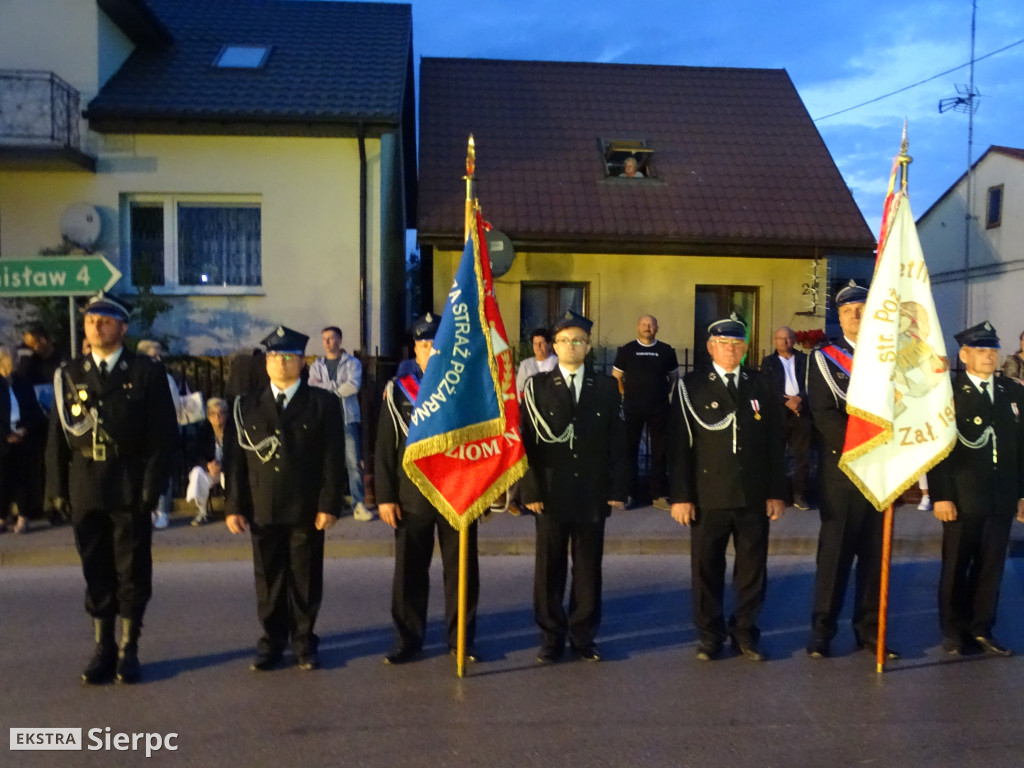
108,457
402,506
287,483
851,527
727,481
575,439
976,491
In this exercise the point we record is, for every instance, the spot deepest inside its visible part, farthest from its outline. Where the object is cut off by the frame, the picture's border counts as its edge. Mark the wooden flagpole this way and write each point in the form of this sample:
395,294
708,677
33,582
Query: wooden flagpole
883,602
904,160
460,646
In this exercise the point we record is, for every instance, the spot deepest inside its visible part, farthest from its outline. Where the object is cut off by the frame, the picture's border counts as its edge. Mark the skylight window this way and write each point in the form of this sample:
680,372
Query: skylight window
242,56
627,158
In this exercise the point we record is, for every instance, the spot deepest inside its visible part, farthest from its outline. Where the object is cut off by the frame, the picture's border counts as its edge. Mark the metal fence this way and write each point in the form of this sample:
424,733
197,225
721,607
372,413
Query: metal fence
38,109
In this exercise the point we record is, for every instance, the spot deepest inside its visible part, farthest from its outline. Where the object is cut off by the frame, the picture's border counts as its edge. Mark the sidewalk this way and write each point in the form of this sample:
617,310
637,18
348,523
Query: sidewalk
643,531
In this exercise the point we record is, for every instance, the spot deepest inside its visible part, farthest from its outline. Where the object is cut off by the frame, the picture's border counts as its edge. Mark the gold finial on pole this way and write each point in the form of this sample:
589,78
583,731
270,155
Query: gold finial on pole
904,159
470,191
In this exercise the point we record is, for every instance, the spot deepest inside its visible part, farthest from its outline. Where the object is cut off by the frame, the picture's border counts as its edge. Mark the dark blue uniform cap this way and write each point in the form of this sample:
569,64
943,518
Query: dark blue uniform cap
573,320
982,335
284,339
731,327
101,304
425,328
851,294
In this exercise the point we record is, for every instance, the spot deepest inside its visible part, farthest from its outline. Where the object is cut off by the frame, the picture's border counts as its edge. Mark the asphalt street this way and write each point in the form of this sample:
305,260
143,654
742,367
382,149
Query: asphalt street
649,703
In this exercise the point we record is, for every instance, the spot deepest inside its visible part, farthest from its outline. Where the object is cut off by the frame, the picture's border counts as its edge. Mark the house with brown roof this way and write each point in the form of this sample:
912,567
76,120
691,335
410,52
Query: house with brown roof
737,203
253,161
980,277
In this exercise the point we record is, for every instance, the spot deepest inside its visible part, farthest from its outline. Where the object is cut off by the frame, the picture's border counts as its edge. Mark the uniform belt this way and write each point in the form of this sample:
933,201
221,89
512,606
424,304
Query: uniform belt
110,449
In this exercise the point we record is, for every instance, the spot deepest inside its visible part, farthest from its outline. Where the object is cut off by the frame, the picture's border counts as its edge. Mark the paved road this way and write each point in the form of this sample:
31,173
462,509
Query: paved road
649,704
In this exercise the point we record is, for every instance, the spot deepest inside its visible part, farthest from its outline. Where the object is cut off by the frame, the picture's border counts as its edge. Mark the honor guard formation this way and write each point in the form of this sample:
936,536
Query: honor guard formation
284,453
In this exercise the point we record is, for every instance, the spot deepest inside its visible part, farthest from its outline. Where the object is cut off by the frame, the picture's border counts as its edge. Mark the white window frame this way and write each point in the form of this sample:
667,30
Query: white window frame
170,205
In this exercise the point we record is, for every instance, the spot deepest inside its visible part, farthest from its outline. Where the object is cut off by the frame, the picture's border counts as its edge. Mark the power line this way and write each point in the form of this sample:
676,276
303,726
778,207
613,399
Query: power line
922,82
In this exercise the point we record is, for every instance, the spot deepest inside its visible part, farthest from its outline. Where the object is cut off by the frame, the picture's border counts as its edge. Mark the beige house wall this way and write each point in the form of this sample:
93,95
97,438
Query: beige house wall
309,194
625,286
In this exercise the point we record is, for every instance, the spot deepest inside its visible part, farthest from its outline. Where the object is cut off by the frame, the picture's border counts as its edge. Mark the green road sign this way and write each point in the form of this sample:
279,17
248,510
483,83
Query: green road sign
57,276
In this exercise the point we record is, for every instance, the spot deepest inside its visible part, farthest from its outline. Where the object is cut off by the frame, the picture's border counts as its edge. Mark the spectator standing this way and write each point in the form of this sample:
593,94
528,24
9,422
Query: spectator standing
726,446
976,492
573,434
402,506
108,455
1013,366
786,371
543,358
288,486
22,429
341,373
647,369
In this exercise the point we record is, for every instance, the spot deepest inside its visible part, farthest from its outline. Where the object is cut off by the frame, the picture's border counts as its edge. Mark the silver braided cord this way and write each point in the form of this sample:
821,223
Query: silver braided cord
76,430
819,356
396,415
542,428
718,426
273,442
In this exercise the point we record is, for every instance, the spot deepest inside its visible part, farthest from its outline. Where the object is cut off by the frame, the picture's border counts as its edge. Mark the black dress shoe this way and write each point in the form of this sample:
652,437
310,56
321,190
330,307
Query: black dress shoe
549,655
308,661
470,656
819,649
403,655
589,653
708,650
129,671
266,661
991,646
749,650
872,646
101,667
953,646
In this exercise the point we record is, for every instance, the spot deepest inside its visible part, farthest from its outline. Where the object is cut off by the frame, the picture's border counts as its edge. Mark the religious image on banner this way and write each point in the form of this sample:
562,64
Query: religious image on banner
900,398
464,447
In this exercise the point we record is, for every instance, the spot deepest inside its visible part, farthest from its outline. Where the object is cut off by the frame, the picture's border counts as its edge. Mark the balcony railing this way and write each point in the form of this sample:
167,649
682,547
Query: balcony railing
39,110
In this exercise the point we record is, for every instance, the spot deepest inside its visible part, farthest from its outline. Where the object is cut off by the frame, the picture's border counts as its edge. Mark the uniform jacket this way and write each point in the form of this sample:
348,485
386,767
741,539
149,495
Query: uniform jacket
135,412
773,368
703,469
305,475
393,485
575,481
968,476
345,384
829,411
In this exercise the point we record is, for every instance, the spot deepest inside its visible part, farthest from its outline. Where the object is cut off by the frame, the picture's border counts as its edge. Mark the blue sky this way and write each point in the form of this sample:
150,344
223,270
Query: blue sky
838,54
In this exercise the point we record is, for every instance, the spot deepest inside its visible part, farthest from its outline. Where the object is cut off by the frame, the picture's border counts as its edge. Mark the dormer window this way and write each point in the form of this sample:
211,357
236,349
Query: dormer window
628,159
242,56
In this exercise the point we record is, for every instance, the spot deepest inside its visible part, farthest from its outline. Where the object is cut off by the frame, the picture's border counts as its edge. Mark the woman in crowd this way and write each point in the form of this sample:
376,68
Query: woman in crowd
22,426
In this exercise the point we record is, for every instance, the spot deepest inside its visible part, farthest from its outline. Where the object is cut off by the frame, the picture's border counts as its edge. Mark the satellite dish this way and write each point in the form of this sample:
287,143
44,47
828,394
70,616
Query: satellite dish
80,225
500,249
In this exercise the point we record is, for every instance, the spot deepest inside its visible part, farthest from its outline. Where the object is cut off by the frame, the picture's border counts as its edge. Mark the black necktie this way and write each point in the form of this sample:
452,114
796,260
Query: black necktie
572,388
986,409
731,386
280,403
103,370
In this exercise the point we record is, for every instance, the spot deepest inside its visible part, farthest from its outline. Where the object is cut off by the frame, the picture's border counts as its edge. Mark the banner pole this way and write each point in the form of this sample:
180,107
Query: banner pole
883,601
460,645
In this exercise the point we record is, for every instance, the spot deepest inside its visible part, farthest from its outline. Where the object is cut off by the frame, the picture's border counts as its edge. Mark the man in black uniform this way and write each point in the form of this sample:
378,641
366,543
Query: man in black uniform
850,525
727,479
573,435
975,491
401,505
108,455
786,369
647,370
287,482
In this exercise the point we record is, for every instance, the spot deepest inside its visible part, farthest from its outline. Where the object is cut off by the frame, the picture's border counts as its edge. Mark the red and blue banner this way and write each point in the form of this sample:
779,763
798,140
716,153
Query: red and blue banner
464,447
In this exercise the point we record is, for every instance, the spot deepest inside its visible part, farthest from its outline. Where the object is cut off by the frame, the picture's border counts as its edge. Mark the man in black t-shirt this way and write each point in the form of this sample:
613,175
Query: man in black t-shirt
647,370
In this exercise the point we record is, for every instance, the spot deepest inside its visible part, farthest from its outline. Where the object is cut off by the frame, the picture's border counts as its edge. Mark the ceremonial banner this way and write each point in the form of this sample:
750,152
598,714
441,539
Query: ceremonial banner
464,447
900,398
